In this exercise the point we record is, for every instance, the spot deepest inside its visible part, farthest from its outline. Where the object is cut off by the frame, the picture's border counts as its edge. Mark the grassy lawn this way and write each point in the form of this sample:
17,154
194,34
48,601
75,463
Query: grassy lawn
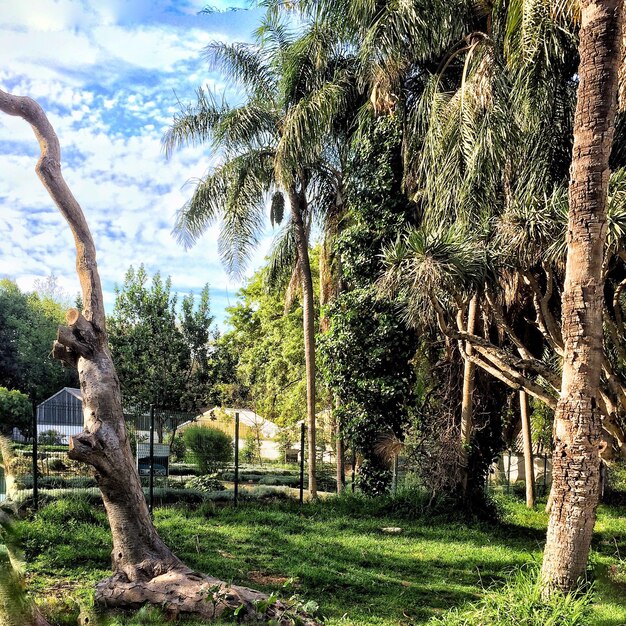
333,552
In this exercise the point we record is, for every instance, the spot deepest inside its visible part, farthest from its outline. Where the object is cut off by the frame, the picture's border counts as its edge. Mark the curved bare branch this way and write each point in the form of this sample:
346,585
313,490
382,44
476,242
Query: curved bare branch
48,169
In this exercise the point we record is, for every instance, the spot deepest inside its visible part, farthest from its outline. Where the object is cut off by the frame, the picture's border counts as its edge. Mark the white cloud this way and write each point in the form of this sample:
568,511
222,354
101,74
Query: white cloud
106,74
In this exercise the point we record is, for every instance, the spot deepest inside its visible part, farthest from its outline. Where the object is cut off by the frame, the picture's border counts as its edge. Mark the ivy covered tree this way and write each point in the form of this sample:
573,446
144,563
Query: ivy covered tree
367,350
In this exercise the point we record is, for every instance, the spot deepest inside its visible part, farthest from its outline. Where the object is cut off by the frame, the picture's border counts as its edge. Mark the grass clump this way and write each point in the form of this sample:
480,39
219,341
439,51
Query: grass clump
519,603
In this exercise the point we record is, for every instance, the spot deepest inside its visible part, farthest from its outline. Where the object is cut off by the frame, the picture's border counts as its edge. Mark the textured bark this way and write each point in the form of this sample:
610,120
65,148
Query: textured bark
297,202
469,368
340,453
529,469
577,429
144,568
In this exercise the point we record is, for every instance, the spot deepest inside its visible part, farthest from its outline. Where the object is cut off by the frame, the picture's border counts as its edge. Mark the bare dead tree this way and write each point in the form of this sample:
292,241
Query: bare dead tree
145,570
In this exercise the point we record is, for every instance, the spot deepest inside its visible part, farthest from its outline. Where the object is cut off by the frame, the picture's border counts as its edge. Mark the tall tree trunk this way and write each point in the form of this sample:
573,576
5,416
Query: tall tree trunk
297,202
340,453
330,288
469,370
529,467
144,568
577,425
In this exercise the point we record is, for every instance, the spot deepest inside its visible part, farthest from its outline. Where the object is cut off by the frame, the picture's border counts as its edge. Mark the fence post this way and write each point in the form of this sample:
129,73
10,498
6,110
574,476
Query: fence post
151,488
301,462
394,480
236,499
35,467
353,466
545,473
508,475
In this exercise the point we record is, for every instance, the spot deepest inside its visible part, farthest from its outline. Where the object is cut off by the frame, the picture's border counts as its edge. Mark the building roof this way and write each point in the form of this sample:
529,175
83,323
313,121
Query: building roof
76,393
268,429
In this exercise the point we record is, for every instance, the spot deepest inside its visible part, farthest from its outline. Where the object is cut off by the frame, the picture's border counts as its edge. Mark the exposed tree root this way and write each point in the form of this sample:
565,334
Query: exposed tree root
182,592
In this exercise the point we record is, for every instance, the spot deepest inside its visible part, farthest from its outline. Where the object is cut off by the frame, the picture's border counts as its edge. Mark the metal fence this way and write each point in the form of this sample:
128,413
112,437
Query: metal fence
169,471
41,466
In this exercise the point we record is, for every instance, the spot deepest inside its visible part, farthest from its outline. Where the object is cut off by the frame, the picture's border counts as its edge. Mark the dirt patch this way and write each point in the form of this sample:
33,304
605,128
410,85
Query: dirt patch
261,578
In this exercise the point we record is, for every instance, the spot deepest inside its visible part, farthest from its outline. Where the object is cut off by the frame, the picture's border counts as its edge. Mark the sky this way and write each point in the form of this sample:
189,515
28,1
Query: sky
111,74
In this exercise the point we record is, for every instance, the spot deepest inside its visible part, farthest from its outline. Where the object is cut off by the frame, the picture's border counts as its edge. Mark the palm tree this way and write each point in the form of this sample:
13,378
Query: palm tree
576,459
276,144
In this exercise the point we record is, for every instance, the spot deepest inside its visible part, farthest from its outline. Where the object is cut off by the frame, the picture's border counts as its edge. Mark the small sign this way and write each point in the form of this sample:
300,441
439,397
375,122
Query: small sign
161,459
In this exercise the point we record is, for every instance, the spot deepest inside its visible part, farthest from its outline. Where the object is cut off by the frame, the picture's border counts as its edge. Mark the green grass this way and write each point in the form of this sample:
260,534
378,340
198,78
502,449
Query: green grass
333,552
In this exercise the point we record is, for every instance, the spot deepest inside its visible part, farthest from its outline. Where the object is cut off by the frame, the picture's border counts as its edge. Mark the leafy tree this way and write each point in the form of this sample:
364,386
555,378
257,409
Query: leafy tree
367,349
269,371
250,451
28,326
274,145
16,411
161,352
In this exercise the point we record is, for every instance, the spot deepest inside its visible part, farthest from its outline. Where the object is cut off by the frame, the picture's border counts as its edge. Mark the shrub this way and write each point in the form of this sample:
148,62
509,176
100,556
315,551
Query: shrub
21,464
50,438
56,465
178,449
211,448
206,483
183,469
250,451
283,481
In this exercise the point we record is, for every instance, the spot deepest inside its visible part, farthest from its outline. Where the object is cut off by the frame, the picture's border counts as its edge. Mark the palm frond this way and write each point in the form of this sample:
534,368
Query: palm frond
244,64
306,129
195,123
283,258
235,192
252,125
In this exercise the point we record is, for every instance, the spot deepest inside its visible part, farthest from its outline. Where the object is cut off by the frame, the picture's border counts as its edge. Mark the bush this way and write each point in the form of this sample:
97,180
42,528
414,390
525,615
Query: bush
206,483
56,465
519,603
212,448
183,469
50,438
178,449
282,481
21,464
250,451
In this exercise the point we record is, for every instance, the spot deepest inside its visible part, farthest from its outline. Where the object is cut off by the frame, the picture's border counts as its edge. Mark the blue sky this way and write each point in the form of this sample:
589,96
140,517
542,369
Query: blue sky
110,74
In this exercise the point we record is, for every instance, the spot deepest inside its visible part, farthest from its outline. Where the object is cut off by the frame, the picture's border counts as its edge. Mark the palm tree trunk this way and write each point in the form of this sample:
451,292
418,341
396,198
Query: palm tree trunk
297,202
529,468
340,453
577,426
468,390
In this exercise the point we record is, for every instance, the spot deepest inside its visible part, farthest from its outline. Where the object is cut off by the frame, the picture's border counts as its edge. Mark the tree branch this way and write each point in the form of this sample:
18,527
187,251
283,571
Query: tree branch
545,320
48,169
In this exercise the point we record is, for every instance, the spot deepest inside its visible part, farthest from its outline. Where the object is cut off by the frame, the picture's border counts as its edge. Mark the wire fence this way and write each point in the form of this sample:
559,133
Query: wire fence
170,471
